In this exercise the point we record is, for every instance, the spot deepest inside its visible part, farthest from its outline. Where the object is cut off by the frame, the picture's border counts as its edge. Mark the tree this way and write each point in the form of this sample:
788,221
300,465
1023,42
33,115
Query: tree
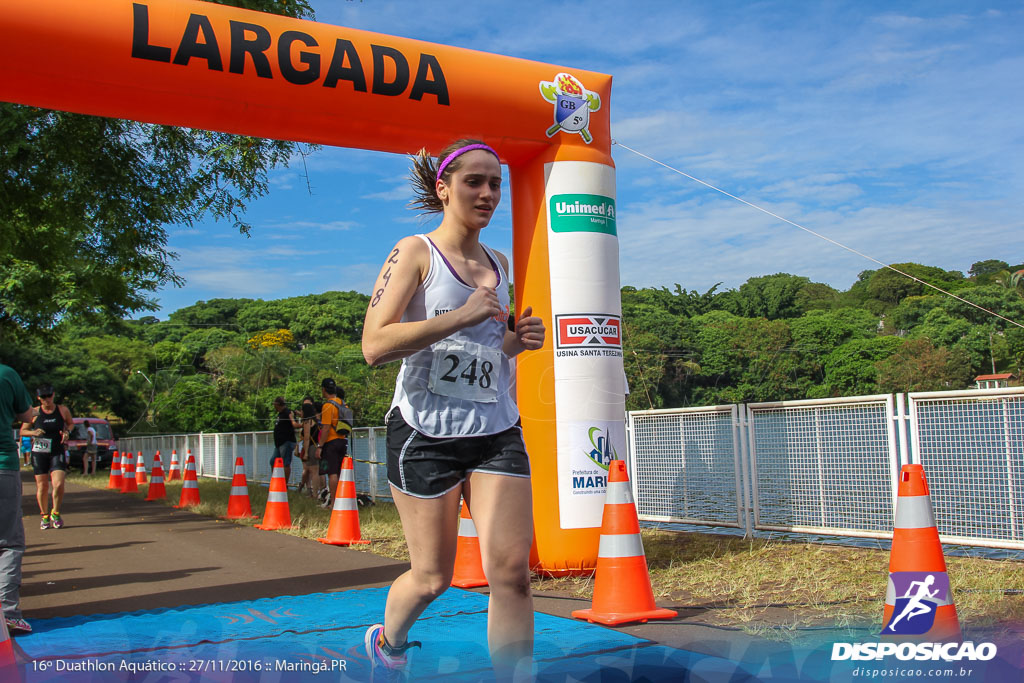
196,404
770,296
747,359
911,312
919,366
816,296
890,287
212,313
850,369
983,272
1010,280
83,381
331,316
84,202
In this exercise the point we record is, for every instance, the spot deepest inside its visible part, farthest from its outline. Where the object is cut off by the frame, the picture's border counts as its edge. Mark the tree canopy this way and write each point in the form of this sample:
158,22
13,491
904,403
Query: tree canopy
85,202
217,365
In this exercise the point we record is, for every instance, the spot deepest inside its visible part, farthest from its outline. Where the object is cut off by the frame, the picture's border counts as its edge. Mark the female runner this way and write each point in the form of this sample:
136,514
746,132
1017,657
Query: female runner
441,305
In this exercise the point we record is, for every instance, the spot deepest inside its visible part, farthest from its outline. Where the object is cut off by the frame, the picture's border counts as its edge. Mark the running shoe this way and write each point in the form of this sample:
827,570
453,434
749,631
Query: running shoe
17,625
56,520
390,662
44,523
324,495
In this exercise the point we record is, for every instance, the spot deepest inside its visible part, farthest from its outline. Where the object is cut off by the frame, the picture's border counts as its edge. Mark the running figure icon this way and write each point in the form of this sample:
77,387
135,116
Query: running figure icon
915,605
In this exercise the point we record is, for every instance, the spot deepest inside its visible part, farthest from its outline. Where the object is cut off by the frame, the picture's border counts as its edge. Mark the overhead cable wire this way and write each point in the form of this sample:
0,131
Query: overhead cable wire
816,234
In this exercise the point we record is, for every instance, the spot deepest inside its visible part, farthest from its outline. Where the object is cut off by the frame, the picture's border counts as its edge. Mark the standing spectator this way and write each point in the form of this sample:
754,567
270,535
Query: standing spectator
26,449
50,428
284,436
90,449
309,450
335,425
15,404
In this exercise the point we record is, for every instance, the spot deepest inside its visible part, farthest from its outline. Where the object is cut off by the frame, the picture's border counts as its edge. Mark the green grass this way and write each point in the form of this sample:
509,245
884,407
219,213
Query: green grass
767,587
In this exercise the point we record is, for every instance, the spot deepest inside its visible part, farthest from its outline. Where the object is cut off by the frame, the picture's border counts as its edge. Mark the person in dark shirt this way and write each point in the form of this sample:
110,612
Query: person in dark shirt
15,404
50,428
284,436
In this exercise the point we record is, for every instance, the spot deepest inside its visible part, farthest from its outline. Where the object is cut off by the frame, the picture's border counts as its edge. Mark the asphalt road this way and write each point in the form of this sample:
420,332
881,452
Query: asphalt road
118,553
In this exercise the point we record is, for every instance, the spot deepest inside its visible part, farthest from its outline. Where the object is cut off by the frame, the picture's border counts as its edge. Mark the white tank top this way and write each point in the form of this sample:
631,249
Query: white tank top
460,385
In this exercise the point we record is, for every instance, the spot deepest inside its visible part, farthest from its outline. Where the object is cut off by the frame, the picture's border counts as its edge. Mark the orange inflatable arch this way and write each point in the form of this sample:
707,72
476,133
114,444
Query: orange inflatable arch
210,66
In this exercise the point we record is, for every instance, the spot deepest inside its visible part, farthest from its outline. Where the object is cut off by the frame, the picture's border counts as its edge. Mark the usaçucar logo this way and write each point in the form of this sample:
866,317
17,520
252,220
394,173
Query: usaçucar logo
580,330
601,451
573,104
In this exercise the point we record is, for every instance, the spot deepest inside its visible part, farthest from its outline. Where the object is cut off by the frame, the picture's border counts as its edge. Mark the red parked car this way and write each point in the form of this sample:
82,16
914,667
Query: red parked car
106,444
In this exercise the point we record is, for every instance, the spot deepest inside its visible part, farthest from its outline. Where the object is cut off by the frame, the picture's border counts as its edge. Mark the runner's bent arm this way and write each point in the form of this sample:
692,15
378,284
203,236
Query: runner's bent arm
528,334
385,339
68,423
26,426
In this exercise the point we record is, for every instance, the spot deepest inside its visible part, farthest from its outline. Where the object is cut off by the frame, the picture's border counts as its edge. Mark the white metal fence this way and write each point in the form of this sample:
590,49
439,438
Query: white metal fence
827,466
216,454
971,444
831,466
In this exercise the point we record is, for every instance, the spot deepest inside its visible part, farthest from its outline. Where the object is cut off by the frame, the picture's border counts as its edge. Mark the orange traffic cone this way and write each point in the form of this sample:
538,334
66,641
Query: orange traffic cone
469,568
128,482
140,470
622,586
174,474
8,663
190,487
277,515
344,526
238,502
918,601
157,490
115,471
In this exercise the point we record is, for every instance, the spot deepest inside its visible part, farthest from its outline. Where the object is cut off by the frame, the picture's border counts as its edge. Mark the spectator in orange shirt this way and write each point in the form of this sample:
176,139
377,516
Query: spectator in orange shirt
336,423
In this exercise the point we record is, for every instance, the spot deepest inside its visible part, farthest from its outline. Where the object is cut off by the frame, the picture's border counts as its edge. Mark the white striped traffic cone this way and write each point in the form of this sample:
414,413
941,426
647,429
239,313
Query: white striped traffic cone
157,490
140,470
918,600
115,472
174,473
622,584
469,567
343,528
239,506
190,487
277,515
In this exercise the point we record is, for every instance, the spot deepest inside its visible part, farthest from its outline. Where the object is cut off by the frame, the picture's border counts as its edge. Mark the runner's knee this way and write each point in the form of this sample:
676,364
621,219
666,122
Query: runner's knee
508,572
430,585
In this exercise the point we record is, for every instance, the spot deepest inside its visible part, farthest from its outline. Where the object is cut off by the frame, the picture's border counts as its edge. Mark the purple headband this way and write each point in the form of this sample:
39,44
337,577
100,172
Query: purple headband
459,152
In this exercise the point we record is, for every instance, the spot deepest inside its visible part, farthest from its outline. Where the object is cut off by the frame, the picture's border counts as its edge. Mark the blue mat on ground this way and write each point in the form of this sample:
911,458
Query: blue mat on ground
299,638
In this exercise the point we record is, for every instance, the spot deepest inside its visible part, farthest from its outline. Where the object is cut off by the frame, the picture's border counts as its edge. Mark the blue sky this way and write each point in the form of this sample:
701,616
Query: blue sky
894,128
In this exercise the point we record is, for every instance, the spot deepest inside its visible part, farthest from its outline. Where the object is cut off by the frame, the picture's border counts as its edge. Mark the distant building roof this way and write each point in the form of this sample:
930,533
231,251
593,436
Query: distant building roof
1004,375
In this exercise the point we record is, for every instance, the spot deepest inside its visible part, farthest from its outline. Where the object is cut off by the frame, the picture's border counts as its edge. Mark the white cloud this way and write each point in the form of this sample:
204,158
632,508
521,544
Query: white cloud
400,192
306,225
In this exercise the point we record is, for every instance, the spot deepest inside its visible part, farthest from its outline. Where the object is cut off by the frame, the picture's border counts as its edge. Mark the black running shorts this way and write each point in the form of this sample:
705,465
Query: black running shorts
428,467
44,463
331,455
